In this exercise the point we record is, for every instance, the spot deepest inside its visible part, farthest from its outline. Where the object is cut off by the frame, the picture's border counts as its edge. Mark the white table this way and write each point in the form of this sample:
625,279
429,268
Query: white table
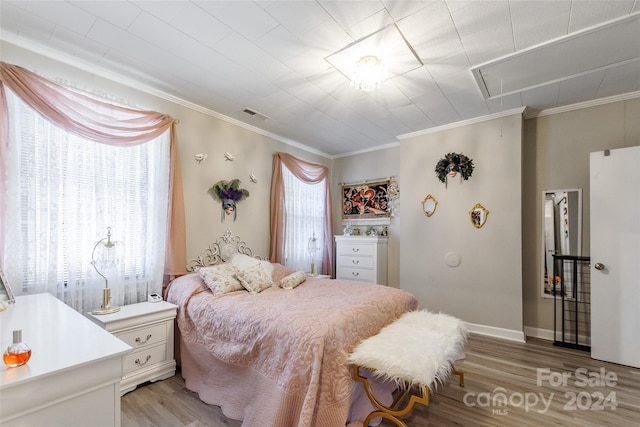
73,376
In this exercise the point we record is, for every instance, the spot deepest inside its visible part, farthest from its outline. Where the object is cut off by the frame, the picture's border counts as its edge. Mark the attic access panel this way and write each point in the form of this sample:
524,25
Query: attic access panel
603,47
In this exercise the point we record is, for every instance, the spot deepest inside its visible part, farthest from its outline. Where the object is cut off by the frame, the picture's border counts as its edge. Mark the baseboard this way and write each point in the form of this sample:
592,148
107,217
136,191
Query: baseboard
514,335
492,331
544,334
549,335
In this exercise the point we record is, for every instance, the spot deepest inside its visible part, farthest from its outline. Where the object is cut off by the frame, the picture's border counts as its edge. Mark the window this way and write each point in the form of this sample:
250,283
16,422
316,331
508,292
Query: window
305,216
63,191
300,207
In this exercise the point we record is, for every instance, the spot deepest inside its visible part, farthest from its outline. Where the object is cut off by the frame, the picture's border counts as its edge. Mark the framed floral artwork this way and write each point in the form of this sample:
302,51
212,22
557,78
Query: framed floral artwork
369,199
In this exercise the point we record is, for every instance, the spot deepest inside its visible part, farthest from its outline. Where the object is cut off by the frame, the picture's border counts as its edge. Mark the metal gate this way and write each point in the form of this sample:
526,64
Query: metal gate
572,305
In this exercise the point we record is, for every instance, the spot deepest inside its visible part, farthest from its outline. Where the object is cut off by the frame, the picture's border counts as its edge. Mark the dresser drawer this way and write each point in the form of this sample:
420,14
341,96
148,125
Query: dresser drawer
144,358
145,336
362,258
362,275
355,261
359,249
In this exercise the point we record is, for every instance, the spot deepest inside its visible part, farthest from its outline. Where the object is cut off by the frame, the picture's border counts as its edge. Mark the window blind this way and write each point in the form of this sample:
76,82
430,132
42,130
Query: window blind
305,213
63,193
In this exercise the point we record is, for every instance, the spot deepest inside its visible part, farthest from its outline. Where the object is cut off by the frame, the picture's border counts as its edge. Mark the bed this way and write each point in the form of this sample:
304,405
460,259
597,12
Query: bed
278,357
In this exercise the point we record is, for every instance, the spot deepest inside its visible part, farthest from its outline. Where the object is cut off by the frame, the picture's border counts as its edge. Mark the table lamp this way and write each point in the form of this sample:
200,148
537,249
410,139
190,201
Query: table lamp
104,257
313,248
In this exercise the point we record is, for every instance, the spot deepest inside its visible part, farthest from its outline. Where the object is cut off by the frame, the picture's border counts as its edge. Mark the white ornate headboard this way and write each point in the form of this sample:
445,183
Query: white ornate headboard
220,251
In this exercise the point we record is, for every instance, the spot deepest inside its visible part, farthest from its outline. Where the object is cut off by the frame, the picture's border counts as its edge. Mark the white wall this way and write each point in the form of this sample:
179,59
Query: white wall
486,288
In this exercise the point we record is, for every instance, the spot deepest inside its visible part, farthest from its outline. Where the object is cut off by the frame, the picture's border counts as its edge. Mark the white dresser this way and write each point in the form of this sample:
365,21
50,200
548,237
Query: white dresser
361,258
148,328
73,376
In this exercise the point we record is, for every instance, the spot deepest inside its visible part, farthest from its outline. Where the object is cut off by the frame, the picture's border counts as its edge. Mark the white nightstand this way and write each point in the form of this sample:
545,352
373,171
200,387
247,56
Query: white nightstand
148,328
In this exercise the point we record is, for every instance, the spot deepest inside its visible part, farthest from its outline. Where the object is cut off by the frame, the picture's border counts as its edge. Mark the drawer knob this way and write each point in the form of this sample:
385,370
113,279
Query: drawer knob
355,273
355,249
139,340
140,363
355,261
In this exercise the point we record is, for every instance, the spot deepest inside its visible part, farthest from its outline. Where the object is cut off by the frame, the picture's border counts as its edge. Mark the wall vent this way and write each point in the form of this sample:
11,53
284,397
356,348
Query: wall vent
255,113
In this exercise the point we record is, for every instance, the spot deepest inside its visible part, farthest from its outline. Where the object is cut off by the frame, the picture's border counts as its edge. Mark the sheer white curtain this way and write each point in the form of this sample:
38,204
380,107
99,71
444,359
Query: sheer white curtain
305,216
63,192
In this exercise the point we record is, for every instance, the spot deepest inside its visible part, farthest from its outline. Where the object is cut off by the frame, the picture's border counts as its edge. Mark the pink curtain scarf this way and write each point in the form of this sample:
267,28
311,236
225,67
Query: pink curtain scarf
68,110
309,173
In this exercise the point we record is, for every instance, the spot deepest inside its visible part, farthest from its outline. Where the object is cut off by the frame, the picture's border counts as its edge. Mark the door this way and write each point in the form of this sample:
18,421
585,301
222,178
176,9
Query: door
615,255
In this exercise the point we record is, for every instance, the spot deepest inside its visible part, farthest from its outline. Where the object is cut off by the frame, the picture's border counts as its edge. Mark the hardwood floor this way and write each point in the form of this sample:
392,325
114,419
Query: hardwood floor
541,383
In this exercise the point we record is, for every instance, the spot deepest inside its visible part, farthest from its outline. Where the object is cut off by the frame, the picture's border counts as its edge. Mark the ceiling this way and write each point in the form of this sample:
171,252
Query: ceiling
472,58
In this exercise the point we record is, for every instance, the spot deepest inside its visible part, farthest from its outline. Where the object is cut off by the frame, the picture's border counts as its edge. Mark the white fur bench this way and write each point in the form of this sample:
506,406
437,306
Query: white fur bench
416,351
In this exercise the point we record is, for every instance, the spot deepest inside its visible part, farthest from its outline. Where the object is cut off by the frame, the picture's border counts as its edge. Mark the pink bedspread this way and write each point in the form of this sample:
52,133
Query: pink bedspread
279,358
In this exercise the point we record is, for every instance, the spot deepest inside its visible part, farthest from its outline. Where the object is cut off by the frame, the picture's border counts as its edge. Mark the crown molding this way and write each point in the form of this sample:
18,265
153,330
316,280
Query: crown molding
91,68
367,150
513,111
134,84
532,114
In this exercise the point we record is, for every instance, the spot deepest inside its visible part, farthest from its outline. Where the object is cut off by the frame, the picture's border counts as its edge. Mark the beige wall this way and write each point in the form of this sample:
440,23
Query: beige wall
197,133
253,154
368,167
555,150
556,156
555,153
486,287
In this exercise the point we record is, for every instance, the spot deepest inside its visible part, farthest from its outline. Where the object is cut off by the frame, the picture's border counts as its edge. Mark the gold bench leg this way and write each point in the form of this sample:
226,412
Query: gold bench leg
390,413
459,374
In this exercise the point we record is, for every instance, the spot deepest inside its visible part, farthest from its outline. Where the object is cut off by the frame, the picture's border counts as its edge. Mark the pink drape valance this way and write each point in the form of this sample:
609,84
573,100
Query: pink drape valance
309,173
84,116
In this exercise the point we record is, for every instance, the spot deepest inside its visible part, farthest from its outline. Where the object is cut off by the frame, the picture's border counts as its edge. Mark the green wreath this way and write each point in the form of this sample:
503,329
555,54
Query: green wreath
454,162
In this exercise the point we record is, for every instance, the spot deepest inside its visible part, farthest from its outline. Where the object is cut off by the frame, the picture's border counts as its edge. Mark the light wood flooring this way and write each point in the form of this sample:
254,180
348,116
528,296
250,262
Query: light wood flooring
542,384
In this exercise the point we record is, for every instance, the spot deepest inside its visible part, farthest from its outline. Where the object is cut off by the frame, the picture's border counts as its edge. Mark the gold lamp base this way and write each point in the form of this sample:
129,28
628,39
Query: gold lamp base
313,270
106,307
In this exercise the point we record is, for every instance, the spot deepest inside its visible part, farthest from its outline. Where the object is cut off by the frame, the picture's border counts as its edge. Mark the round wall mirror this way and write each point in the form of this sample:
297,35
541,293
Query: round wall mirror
429,205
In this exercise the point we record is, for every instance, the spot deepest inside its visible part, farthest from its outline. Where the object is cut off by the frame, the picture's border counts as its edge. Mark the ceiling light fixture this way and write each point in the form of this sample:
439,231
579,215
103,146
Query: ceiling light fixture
368,74
384,55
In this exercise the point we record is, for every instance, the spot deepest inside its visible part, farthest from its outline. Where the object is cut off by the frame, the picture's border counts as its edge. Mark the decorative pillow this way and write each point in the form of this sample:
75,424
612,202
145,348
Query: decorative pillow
267,267
293,280
254,278
280,272
221,278
242,262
